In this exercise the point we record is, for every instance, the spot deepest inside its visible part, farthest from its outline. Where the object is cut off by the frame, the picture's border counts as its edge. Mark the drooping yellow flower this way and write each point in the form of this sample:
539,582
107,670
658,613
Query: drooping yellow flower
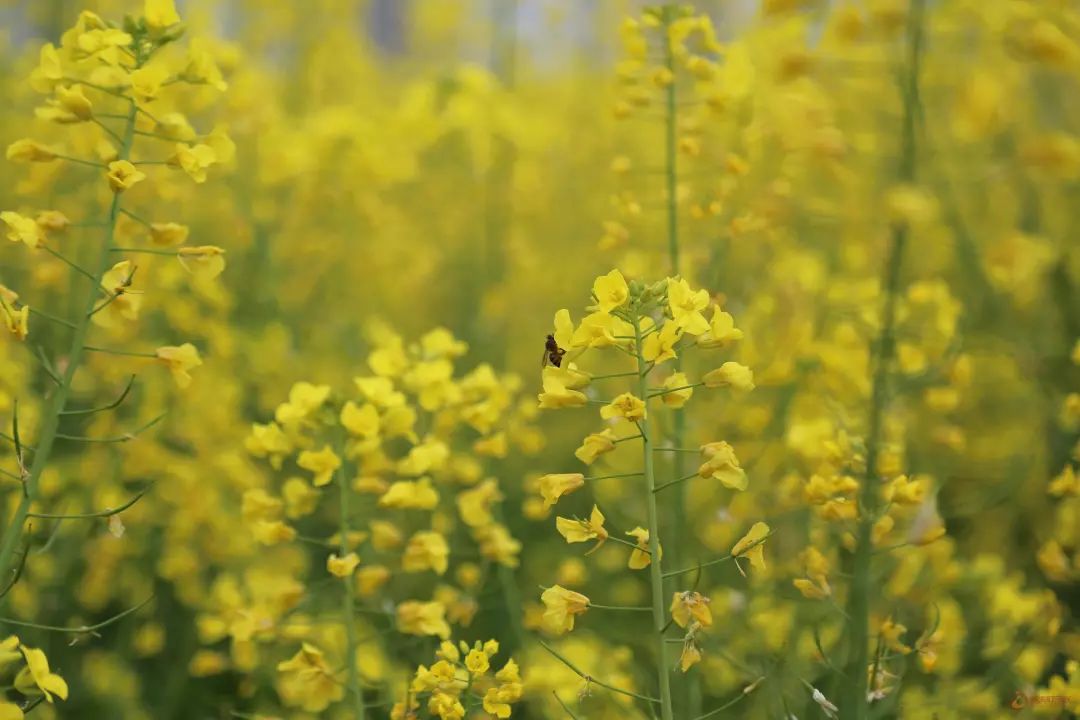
422,618
677,390
22,229
205,262
659,346
611,291
719,462
360,420
306,680
121,304
639,556
556,394
342,567
180,359
594,445
554,486
272,532
730,374
160,14
752,545
123,175
410,494
691,653
193,159
686,306
627,406
689,605
576,531
166,234
322,463
722,331
26,150
475,505
561,607
36,676
426,550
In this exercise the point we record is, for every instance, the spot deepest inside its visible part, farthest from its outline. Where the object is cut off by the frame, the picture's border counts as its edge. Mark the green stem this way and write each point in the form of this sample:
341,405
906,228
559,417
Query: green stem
854,705
690,683
347,605
656,573
13,532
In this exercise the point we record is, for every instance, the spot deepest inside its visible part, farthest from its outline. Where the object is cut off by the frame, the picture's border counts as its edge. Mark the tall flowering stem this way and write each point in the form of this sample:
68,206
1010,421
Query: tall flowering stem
656,573
13,532
855,705
348,608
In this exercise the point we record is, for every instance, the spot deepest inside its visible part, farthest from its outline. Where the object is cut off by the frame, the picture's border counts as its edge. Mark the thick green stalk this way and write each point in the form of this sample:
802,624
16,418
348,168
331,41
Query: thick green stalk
854,705
13,532
656,573
348,607
691,685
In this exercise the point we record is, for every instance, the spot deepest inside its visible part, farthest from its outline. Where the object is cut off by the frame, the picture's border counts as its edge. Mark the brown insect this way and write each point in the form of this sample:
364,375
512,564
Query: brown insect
552,352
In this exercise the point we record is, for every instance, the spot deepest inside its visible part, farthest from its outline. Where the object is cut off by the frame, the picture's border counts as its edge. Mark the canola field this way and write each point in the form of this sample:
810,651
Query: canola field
539,359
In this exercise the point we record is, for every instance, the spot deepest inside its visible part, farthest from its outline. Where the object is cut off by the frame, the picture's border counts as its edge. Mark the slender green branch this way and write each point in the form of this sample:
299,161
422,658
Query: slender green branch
592,680
74,266
52,318
126,437
81,629
89,516
614,475
143,251
125,353
717,561
564,706
676,481
620,607
110,406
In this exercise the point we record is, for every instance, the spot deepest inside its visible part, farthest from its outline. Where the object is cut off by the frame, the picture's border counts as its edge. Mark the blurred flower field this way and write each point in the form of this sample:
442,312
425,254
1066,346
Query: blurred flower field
540,359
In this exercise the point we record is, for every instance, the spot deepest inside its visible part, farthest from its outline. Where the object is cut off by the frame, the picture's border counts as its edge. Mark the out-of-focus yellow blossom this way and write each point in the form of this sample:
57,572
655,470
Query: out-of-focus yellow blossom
752,545
423,618
342,567
426,550
322,463
180,359
22,229
307,681
561,606
730,374
205,262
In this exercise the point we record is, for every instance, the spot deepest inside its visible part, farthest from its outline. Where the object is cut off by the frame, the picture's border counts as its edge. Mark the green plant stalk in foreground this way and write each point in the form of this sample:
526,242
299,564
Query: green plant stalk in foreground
656,573
854,705
13,532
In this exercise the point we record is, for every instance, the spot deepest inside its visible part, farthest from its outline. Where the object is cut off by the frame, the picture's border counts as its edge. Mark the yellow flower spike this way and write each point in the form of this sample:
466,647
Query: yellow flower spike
594,445
611,291
720,463
426,550
730,374
423,618
160,14
122,175
342,567
194,160
322,463
26,150
561,607
205,262
36,674
686,306
180,360
21,228
752,546
677,390
639,556
627,406
576,531
689,606
554,486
